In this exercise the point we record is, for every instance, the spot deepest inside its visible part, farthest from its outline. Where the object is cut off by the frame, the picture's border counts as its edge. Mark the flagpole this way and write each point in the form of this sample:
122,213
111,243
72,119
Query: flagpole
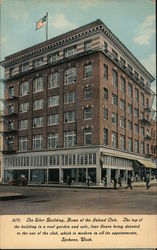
46,26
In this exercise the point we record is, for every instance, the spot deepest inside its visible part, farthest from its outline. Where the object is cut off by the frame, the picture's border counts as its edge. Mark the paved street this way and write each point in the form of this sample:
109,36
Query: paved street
52,200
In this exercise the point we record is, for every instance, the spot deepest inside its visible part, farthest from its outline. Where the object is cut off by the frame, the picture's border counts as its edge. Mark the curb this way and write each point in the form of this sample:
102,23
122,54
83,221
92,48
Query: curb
11,197
71,186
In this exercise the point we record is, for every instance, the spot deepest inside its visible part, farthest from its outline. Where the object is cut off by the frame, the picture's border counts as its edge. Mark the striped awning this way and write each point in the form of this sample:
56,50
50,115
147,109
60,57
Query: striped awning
147,164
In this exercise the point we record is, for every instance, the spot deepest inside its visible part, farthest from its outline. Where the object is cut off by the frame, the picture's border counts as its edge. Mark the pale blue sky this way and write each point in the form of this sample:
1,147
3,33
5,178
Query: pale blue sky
132,21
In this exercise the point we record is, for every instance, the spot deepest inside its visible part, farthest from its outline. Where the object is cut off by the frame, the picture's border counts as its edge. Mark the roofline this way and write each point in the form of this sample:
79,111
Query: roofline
103,28
98,21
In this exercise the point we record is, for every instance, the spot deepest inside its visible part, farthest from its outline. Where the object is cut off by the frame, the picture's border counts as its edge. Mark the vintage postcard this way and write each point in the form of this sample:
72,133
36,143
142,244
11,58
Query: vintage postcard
78,124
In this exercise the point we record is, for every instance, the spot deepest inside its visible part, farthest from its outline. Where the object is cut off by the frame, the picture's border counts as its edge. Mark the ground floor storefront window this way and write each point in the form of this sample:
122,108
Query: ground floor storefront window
38,176
79,175
16,177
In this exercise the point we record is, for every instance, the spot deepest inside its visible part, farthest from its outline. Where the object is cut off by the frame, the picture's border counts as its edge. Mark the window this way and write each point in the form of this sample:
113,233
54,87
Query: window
24,67
130,90
11,125
142,80
38,84
129,68
105,94
88,71
53,119
123,62
88,93
53,80
11,91
69,116
142,131
114,99
136,112
87,136
24,107
105,72
105,46
69,139
147,148
142,99
130,144
142,148
142,115
122,142
70,75
114,78
122,122
122,85
10,143
38,62
53,140
136,75
88,45
54,57
70,51
38,104
37,141
53,101
24,88
105,114
130,111
136,146
105,136
114,140
114,118
11,108
130,126
23,124
23,143
147,103
148,132
122,104
11,71
70,97
87,113
38,122
136,128
136,95
115,54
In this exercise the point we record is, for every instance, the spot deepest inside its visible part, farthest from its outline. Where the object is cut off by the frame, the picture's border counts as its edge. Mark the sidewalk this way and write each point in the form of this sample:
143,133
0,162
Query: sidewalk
10,196
91,186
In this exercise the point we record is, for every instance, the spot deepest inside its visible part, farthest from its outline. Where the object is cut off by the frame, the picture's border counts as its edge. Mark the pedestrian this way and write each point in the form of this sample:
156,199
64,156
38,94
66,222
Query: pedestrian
115,182
120,181
136,177
105,181
129,182
68,181
147,181
88,180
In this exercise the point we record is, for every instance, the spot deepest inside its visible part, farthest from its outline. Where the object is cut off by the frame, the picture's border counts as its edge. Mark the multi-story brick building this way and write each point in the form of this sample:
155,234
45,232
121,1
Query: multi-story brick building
154,140
1,146
78,105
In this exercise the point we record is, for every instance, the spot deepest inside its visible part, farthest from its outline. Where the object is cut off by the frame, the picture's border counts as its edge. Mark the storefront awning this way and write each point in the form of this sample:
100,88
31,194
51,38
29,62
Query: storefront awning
147,164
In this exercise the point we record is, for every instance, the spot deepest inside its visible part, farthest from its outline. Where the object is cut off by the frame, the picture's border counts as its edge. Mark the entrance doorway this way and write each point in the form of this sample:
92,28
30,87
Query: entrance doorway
53,176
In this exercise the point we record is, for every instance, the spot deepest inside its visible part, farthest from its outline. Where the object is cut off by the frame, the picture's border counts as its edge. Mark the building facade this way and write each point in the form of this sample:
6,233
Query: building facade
1,146
77,105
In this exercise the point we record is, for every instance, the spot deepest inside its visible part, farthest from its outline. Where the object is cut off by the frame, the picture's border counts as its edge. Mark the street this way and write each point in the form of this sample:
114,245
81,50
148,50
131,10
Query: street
56,200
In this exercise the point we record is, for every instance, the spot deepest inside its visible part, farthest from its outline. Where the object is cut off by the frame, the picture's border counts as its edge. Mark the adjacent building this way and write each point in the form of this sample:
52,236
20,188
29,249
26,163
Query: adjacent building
77,105
1,146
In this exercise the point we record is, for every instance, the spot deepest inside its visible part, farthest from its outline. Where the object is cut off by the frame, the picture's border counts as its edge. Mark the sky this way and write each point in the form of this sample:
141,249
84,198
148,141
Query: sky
132,21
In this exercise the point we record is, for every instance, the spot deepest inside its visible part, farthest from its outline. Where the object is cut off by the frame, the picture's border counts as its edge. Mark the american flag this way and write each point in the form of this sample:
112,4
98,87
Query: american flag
41,22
